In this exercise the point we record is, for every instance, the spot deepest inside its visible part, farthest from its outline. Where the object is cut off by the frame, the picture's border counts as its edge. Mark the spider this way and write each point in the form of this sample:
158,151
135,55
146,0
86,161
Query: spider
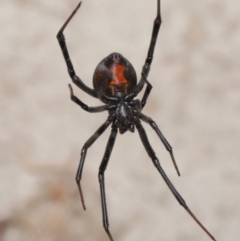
115,84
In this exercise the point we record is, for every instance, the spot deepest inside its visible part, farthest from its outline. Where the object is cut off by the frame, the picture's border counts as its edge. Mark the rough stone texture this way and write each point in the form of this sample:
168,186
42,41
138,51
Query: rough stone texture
195,101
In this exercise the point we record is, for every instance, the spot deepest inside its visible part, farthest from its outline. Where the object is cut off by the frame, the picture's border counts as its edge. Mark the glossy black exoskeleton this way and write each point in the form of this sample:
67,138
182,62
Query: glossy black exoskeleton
115,84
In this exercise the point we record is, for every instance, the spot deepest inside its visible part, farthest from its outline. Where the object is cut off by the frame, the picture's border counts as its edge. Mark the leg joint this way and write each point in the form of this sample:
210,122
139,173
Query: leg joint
71,73
60,36
158,20
149,60
85,147
100,176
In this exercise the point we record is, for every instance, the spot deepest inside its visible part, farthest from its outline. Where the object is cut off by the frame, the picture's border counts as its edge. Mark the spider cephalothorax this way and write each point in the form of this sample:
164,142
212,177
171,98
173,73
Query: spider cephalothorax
125,117
115,84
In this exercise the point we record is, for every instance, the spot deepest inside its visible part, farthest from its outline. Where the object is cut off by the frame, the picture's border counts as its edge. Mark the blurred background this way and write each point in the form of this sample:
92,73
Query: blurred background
195,101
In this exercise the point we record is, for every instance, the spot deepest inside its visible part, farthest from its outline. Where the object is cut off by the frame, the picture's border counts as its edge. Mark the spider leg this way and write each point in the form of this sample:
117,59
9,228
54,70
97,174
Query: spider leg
84,106
85,147
156,163
156,26
147,92
161,136
102,169
61,39
137,89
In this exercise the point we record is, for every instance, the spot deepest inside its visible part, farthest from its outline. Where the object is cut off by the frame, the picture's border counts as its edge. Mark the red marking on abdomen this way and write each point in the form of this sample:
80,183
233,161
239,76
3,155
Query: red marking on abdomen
118,76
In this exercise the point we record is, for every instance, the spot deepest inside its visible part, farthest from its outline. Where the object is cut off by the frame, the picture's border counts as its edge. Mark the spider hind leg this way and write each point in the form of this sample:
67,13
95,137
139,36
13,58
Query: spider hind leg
162,138
102,169
151,153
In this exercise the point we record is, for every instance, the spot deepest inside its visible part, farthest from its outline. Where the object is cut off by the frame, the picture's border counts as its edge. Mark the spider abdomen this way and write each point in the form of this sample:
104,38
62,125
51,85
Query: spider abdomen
114,74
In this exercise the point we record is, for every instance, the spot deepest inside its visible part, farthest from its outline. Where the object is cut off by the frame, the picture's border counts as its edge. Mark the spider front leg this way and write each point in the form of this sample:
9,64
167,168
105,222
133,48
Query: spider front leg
89,142
156,163
61,39
155,31
156,27
102,169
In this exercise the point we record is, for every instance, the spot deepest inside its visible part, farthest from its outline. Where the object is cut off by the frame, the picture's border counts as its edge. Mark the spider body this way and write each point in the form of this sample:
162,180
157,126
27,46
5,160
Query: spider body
114,78
115,84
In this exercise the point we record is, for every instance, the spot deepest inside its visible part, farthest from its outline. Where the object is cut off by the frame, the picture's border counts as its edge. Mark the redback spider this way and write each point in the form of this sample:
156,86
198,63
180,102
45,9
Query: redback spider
115,84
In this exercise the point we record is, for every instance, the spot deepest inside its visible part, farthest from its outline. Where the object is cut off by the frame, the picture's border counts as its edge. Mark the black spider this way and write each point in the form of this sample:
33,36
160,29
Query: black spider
115,84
